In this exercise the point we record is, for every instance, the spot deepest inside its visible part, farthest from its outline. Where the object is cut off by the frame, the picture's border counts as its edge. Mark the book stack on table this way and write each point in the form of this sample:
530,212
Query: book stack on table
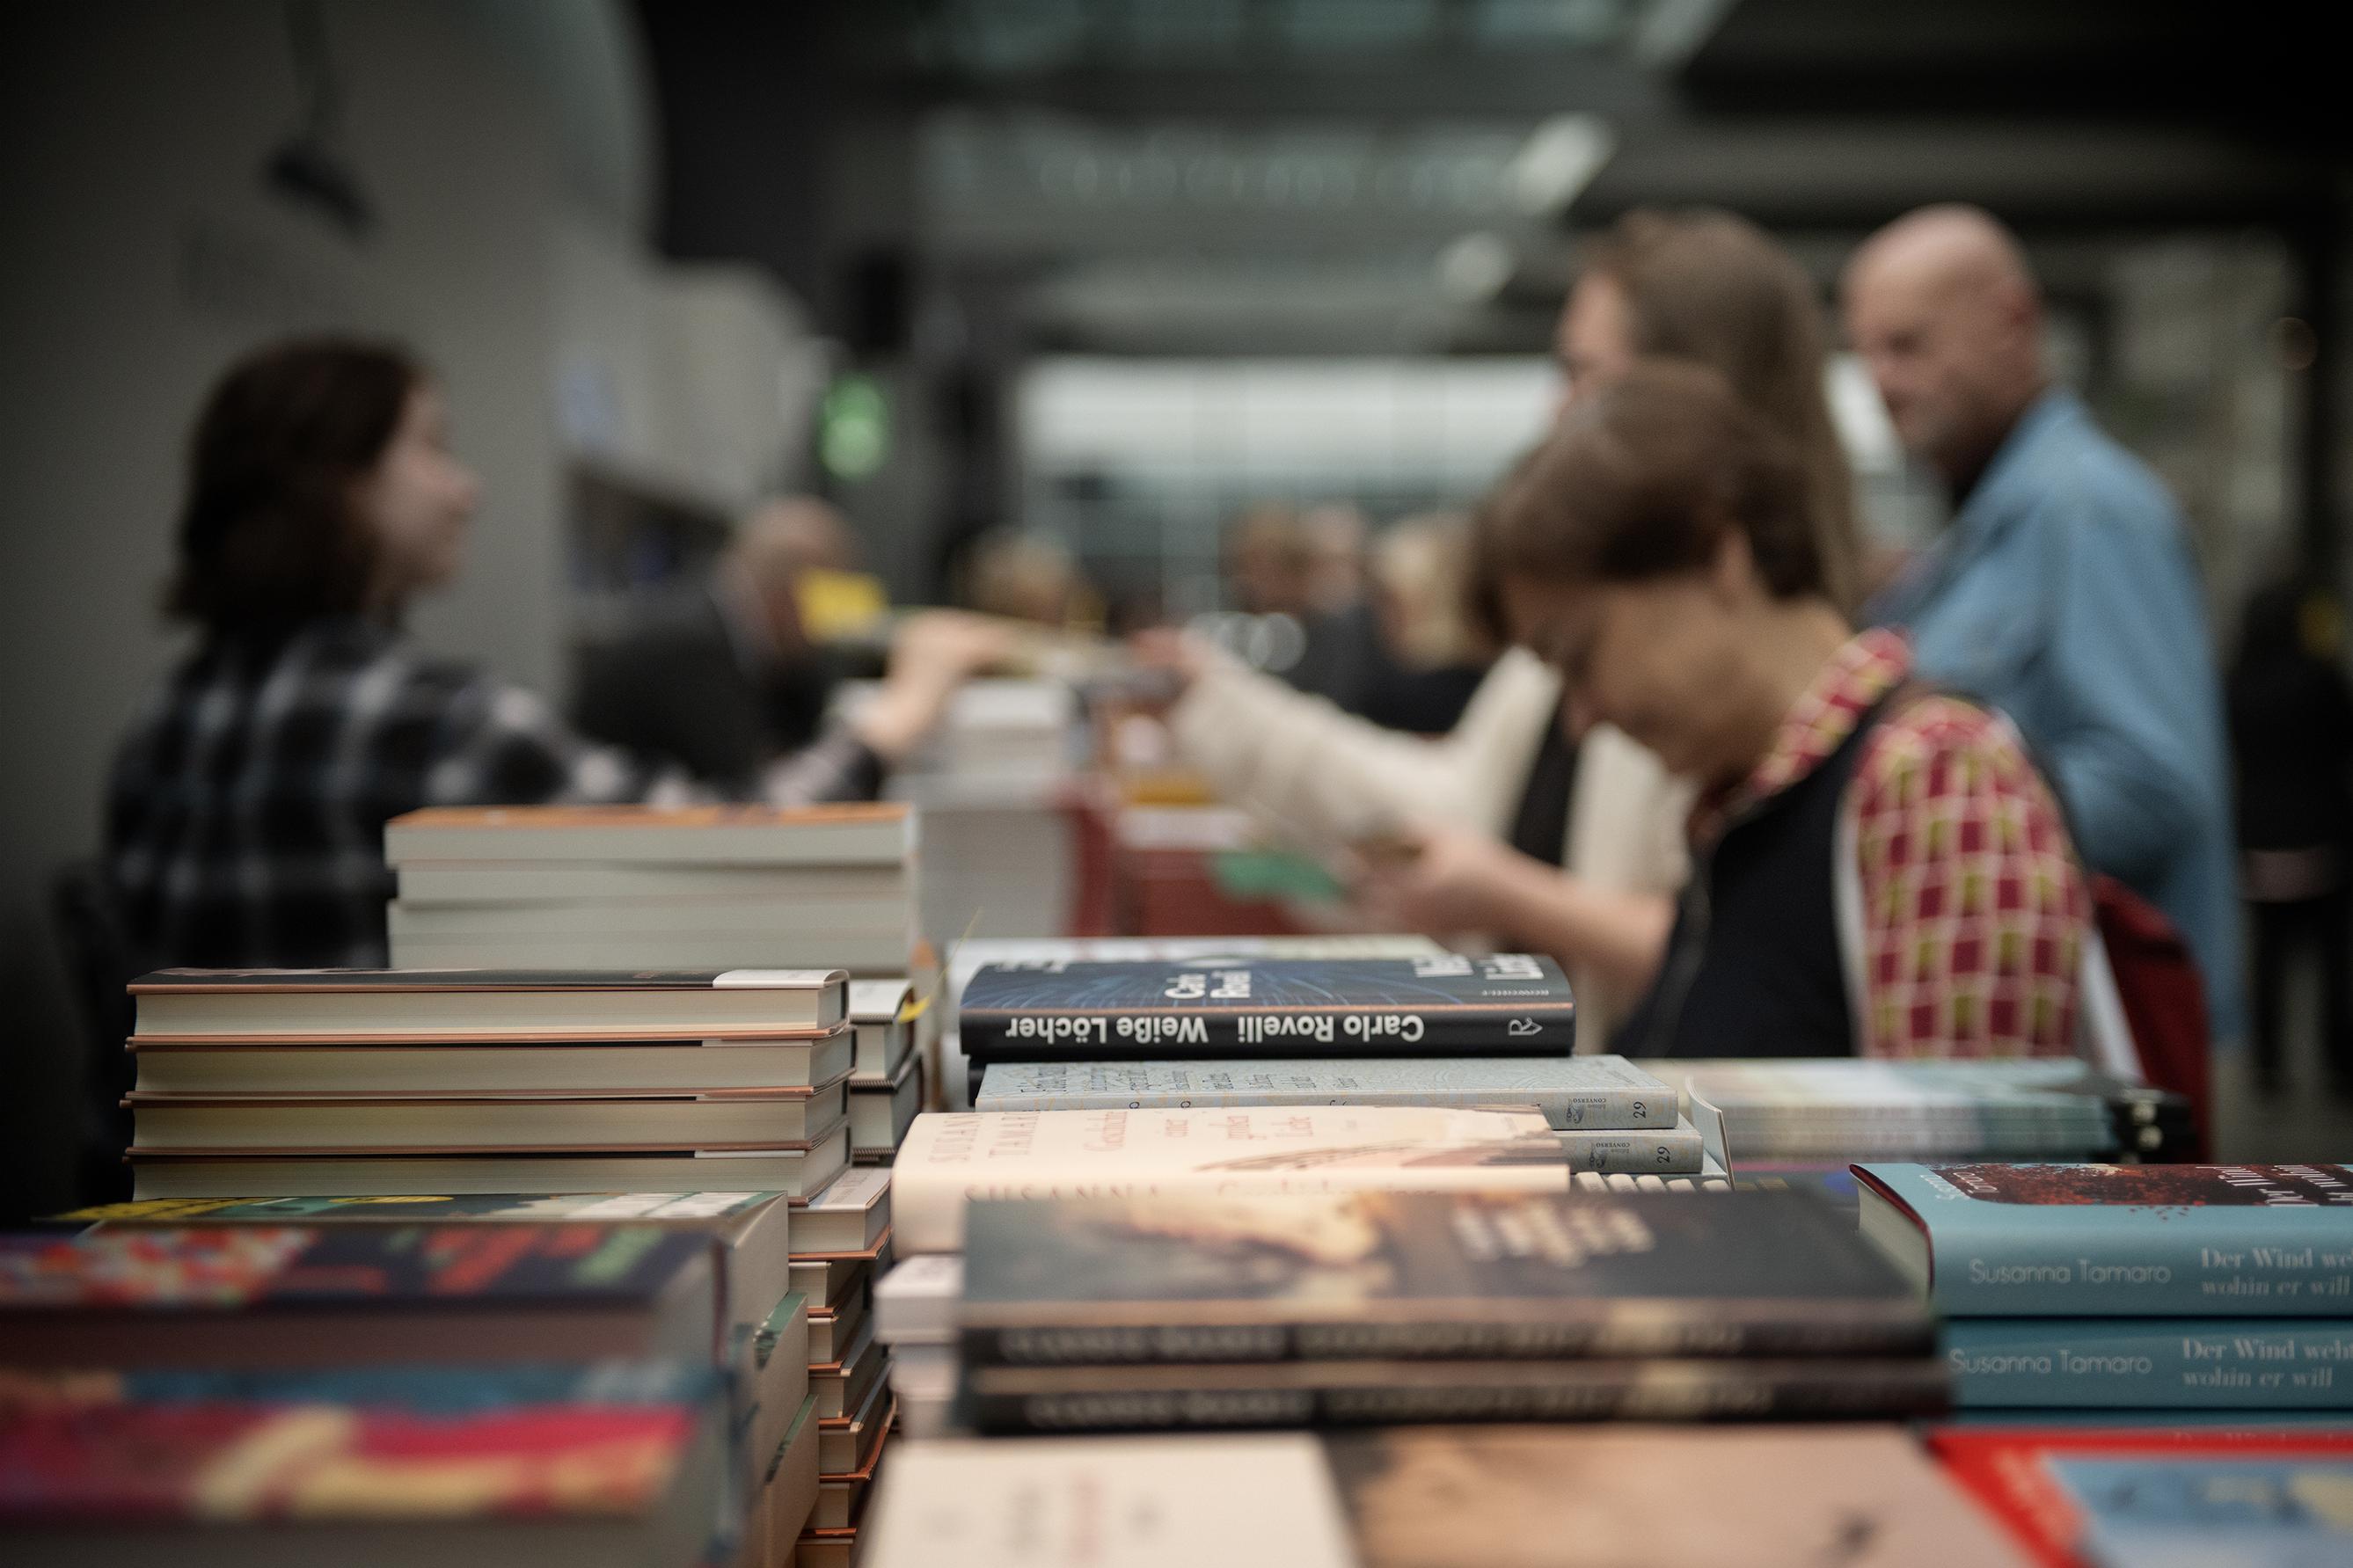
2170,1292
464,1382
843,1242
637,886
887,1080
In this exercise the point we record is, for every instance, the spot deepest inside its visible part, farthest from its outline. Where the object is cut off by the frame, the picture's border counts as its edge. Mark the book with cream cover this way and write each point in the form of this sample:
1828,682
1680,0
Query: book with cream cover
455,1062
1181,1278
489,1120
1056,1010
950,1159
1597,1091
842,835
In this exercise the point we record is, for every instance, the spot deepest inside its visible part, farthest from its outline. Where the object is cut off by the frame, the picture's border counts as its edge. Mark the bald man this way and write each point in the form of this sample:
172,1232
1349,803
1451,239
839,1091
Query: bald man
721,680
2065,591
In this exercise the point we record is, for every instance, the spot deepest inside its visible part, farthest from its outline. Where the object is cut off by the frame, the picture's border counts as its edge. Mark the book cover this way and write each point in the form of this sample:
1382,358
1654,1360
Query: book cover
1629,1497
2154,1363
1091,1503
2177,1512
1597,1091
1056,1010
848,833
1998,1240
1049,1399
1213,1278
950,1159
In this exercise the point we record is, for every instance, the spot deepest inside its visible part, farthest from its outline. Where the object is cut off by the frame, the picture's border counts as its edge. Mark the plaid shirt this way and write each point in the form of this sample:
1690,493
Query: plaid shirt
1974,908
245,817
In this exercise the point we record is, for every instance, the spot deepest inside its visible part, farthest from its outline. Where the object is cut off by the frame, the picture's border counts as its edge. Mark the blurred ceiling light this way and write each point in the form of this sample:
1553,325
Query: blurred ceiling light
1558,160
1475,267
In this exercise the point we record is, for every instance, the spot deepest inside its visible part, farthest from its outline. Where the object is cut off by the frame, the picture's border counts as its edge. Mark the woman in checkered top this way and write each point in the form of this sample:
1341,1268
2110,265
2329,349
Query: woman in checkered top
245,814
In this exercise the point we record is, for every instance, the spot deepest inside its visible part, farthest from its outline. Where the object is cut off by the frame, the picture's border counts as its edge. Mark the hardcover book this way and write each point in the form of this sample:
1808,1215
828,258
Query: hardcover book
781,1509
489,1120
262,1296
880,1115
2118,1240
1631,1496
879,1010
847,1443
1511,1005
1109,1503
751,1230
919,1301
1049,1399
2180,1512
845,835
1380,1275
1597,1091
450,1063
190,1173
851,1215
950,1159
549,1003
2150,1363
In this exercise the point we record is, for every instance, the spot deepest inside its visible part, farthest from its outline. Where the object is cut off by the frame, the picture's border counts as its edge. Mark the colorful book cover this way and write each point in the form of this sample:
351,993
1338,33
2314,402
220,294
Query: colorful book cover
2210,1513
1219,1278
1573,1092
2004,1240
2110,1363
442,1209
1059,1010
159,1269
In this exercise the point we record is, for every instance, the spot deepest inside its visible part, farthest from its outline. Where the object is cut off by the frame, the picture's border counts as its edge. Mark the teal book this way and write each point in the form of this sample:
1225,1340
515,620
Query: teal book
2157,1512
2137,1241
2123,1363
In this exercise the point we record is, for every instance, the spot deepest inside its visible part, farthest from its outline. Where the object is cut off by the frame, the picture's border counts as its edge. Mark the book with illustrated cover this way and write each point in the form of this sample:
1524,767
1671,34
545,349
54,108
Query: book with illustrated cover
792,1169
1511,1005
1382,1275
752,1230
1998,1240
240,1296
208,1005
2151,1362
1109,1503
1579,1092
453,1063
855,834
1162,1397
2175,1511
1632,1496
949,1160
492,1467
489,1120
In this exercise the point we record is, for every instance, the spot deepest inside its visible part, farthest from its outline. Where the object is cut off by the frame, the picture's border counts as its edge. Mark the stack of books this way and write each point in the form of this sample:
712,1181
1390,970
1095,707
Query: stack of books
1219,1010
1431,1496
841,1244
639,888
1613,1117
886,1081
915,1313
1834,1110
315,1083
2170,1291
1376,1309
190,1377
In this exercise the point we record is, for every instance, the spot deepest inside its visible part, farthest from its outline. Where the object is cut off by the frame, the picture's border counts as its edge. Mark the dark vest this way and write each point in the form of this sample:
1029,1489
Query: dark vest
1753,967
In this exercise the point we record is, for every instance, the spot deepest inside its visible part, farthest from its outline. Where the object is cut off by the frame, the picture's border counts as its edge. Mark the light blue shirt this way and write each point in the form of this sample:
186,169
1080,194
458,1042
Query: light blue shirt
2064,592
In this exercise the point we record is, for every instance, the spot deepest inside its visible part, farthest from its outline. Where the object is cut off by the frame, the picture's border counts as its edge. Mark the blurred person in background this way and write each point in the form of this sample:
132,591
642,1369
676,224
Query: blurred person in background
1488,815
1029,578
1878,869
2065,591
1422,602
245,813
1305,568
2292,744
722,679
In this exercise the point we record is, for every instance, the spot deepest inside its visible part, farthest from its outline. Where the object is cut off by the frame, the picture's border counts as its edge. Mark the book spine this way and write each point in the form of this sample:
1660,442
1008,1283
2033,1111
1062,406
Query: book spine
2161,1363
1629,1390
1573,1111
1629,1331
1661,1152
1171,1035
2192,1265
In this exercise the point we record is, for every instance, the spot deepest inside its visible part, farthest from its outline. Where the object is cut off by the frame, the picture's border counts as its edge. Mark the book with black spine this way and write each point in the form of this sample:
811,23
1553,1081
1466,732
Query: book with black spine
1508,1004
1403,1274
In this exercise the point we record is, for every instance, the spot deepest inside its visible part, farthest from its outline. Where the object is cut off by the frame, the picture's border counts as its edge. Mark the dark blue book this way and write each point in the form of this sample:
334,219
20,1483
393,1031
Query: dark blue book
1071,1010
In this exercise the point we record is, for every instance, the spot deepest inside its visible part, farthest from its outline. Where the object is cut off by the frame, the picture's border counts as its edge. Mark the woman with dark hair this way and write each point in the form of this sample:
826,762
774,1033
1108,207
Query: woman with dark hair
245,814
1878,869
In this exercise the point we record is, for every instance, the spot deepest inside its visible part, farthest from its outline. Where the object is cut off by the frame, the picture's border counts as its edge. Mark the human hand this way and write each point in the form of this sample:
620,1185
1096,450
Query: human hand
932,655
1435,879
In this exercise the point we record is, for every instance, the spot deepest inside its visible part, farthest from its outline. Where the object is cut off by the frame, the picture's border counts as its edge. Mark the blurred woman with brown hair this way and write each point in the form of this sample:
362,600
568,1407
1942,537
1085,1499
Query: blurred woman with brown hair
1503,802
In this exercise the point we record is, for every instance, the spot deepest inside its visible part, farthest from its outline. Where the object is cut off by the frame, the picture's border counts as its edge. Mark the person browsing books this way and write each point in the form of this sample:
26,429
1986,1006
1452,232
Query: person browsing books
1878,868
244,820
1505,786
